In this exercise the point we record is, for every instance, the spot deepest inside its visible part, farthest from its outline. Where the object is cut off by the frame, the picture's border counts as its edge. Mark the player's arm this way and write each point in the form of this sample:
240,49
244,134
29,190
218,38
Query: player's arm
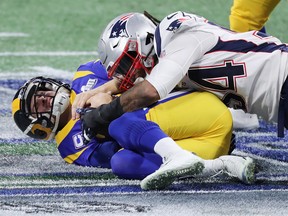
97,154
100,98
84,99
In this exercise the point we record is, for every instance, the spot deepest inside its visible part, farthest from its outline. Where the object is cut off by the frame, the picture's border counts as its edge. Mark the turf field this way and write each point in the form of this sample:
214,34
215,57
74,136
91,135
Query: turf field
52,38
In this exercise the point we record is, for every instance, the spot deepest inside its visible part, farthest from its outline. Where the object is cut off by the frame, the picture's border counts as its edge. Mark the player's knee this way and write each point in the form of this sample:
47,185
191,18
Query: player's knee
126,164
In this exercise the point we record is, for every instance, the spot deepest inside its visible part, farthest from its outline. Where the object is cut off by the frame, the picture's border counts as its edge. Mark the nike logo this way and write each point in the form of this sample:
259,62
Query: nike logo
170,17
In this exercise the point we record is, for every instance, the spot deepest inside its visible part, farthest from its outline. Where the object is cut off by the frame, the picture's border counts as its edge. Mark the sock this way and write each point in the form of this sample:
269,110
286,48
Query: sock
166,147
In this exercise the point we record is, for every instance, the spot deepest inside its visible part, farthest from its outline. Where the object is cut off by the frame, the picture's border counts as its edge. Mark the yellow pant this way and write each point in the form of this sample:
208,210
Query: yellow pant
249,15
199,122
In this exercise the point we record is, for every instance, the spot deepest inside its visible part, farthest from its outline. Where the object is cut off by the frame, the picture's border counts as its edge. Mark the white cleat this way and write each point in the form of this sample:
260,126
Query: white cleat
177,166
242,168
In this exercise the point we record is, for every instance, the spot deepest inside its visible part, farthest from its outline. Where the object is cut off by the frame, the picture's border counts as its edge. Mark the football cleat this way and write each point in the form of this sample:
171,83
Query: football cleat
242,168
178,165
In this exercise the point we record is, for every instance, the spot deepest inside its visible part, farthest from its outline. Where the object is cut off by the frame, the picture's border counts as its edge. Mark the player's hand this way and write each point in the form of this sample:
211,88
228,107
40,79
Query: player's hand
99,99
92,124
80,102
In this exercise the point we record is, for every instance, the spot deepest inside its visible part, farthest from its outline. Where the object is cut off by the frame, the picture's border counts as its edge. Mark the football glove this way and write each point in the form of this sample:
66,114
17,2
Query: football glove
95,121
92,124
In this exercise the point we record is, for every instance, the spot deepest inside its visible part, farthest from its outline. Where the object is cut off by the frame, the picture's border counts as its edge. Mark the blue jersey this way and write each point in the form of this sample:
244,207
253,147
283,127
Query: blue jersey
69,140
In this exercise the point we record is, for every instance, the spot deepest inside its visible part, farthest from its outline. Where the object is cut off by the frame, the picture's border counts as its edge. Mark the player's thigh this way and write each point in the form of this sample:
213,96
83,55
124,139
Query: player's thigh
199,114
213,142
208,127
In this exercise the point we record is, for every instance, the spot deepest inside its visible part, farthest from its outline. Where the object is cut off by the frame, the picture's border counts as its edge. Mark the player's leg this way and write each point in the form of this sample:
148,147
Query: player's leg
132,165
199,122
137,134
207,125
129,164
249,15
214,137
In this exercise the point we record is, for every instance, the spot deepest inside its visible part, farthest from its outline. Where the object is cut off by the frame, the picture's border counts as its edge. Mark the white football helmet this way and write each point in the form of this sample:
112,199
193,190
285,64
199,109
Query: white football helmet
126,45
40,125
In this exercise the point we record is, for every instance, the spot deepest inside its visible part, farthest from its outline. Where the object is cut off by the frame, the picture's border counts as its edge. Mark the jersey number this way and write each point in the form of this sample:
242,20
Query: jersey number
221,78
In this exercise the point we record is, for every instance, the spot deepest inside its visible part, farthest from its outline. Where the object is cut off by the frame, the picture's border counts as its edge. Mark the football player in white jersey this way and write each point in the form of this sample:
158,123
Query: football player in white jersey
245,70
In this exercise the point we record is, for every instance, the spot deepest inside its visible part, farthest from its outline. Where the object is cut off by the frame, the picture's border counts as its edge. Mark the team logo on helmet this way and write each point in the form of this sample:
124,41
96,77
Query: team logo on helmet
119,28
176,24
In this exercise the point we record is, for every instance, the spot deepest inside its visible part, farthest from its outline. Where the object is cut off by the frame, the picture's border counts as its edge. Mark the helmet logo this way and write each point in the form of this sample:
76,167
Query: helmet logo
119,28
176,24
40,131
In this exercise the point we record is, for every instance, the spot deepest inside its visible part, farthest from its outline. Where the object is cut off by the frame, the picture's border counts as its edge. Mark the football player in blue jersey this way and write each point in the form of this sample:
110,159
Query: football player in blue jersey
135,145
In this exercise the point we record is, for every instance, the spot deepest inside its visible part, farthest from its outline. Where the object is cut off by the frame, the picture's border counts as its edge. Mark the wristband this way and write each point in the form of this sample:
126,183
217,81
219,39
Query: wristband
111,111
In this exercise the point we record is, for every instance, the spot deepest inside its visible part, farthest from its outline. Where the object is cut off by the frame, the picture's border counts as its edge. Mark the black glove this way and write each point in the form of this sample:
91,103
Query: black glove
92,124
95,121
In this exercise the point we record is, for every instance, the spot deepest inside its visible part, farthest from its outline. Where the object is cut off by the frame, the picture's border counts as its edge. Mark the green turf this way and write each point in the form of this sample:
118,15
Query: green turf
58,177
36,170
28,149
75,25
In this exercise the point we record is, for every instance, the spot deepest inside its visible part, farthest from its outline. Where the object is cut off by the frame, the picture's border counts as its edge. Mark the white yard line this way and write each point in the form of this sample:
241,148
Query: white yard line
49,53
37,71
13,34
20,184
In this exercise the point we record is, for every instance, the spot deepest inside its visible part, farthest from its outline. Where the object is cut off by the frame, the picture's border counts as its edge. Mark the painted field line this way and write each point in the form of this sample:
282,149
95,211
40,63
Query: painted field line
57,53
120,190
63,184
13,34
14,78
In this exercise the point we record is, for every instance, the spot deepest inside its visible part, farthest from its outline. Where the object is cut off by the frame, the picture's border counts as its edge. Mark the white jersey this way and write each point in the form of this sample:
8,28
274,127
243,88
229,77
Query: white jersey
246,70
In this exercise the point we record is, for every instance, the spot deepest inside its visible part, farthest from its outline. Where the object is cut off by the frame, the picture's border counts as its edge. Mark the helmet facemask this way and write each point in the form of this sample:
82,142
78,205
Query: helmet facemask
128,65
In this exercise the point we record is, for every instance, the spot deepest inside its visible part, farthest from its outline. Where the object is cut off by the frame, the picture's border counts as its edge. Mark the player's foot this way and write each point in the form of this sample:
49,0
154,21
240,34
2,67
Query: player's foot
172,168
242,168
